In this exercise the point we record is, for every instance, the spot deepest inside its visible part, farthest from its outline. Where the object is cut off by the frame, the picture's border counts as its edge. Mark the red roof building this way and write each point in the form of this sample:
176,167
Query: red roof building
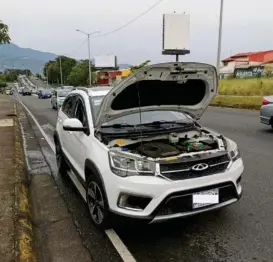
256,57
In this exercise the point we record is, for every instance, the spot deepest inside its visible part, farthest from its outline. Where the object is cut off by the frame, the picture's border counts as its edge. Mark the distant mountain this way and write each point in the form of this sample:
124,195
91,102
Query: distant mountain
13,56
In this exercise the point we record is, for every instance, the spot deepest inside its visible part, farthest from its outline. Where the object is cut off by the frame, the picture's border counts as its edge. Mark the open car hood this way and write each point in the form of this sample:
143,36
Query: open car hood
176,86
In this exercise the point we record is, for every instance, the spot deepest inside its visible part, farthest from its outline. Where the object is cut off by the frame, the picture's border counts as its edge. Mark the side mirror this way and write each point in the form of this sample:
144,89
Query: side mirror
73,124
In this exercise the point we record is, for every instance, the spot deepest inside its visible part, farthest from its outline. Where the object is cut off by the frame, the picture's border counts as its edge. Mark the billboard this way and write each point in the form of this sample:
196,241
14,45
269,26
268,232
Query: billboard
176,34
105,61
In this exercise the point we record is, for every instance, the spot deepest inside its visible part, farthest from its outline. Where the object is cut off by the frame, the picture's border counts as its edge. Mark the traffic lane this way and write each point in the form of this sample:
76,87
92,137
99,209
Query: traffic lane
241,232
43,110
97,243
39,82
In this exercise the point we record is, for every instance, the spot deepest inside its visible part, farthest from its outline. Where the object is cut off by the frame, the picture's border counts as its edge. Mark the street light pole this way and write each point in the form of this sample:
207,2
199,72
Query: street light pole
89,53
89,57
220,37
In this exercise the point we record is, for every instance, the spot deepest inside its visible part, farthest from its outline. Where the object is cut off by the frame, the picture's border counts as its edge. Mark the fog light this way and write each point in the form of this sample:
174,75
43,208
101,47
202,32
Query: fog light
136,203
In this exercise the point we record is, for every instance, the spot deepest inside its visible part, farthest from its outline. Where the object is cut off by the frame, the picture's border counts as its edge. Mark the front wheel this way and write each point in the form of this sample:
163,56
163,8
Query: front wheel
97,203
61,164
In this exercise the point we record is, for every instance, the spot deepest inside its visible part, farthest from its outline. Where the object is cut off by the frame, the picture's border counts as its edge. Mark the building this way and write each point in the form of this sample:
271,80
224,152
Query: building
246,64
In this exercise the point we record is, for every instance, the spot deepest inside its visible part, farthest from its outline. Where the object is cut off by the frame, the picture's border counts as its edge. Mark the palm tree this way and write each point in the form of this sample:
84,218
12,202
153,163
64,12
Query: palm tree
4,34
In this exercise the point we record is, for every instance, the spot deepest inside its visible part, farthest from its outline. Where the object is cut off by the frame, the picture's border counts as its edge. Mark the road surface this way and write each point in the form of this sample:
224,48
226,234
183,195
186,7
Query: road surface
241,232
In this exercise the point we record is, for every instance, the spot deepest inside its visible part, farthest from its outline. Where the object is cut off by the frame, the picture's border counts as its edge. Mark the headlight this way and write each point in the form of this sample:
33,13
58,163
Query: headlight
124,165
233,150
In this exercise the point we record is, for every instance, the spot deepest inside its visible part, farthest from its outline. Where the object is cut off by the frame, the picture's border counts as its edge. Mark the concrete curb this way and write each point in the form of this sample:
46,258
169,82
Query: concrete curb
24,243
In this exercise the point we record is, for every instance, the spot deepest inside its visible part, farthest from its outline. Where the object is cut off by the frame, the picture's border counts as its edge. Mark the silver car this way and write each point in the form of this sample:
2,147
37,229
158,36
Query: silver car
58,97
266,111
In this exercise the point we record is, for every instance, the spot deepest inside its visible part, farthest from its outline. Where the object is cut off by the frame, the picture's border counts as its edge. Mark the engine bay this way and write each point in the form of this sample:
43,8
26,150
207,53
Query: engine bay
173,144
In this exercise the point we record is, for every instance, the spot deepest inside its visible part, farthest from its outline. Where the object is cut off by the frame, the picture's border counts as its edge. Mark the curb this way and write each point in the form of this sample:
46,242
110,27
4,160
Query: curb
24,243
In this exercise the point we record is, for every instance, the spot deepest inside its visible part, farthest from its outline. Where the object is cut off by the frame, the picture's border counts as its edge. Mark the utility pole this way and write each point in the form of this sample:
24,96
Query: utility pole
61,71
89,53
220,37
89,57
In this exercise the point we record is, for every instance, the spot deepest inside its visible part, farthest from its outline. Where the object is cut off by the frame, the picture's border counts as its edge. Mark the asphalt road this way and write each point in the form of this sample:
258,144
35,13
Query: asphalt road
241,232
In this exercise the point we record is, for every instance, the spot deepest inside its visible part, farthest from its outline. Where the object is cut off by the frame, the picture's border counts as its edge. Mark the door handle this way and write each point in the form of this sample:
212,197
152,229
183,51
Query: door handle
70,132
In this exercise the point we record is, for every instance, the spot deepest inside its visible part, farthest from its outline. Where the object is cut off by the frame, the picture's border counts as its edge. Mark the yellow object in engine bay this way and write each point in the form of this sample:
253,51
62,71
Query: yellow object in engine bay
120,142
172,158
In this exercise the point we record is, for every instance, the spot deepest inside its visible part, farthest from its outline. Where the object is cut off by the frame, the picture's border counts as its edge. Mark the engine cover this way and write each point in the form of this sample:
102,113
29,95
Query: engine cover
157,149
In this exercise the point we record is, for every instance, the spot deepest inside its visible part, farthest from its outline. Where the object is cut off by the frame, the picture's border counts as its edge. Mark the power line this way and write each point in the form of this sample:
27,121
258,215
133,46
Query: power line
133,20
76,49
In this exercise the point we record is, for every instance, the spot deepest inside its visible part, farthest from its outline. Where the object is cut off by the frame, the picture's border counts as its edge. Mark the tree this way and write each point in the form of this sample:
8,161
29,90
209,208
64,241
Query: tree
135,68
4,33
67,65
52,69
79,75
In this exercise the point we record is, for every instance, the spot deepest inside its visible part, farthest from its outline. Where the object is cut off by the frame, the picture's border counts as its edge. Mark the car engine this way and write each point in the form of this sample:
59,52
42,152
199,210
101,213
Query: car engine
170,145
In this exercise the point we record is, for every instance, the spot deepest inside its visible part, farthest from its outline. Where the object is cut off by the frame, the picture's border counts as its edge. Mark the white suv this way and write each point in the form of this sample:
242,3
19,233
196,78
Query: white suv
137,150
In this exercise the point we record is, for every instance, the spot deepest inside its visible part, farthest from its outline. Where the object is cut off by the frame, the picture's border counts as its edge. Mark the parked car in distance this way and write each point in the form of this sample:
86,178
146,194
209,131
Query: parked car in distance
9,91
45,93
144,156
58,97
266,111
26,92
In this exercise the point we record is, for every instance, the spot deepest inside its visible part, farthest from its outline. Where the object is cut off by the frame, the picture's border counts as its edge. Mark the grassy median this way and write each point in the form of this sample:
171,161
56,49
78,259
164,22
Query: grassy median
247,102
246,87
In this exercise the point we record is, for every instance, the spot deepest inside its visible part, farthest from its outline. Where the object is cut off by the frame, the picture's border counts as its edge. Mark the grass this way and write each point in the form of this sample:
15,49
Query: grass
246,87
247,102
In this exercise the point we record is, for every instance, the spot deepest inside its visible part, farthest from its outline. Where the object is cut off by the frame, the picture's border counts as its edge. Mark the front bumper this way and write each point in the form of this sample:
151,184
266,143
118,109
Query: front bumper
173,199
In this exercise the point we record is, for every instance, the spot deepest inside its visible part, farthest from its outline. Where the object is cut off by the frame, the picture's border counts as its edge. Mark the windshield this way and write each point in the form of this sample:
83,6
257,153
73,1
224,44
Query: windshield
95,103
63,93
146,117
46,91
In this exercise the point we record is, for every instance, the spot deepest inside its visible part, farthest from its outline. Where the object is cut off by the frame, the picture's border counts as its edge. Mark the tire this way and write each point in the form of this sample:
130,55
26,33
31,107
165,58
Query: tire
60,159
97,203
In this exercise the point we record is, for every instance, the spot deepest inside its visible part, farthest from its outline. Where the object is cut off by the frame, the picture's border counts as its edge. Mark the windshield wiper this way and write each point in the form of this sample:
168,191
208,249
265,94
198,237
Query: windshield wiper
118,125
161,122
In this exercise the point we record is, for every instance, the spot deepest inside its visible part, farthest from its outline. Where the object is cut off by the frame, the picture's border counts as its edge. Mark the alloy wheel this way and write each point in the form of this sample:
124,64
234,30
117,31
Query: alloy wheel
95,202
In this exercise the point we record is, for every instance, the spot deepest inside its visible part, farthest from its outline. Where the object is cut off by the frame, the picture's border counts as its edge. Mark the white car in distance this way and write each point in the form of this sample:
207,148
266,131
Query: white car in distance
137,150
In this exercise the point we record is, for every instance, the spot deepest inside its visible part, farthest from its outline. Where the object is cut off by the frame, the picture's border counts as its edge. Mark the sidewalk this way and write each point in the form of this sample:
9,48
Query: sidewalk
16,229
35,222
7,180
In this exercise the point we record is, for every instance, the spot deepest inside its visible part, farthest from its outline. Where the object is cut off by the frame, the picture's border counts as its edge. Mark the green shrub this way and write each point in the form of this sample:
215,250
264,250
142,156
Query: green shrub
246,87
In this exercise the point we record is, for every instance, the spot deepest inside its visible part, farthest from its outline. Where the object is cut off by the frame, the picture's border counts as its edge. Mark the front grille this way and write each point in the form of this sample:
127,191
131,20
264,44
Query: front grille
181,202
183,170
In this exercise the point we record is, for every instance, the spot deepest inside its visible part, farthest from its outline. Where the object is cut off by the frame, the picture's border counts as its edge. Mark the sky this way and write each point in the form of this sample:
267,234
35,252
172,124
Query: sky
51,26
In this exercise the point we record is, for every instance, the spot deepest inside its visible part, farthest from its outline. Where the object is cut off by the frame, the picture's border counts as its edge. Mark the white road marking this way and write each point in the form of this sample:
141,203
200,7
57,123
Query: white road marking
120,247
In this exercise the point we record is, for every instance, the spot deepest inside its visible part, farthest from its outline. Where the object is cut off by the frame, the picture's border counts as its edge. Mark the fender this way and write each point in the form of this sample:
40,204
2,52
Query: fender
90,165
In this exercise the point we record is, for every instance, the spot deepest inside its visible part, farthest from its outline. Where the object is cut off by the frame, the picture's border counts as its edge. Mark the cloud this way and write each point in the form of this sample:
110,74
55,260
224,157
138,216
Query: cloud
50,26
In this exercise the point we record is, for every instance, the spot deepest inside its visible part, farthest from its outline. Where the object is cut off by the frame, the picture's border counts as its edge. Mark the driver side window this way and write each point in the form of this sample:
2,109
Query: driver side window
80,113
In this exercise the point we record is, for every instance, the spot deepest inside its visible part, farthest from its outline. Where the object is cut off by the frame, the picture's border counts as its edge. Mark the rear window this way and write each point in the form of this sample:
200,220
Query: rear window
63,93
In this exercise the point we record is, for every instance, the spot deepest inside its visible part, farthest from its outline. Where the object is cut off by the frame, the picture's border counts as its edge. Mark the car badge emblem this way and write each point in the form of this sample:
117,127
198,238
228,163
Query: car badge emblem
200,167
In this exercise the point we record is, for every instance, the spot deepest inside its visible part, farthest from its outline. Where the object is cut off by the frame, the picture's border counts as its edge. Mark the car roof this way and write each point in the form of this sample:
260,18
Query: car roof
99,90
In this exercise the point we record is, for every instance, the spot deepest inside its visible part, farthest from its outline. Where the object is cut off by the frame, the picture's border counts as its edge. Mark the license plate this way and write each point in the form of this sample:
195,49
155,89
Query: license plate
205,198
